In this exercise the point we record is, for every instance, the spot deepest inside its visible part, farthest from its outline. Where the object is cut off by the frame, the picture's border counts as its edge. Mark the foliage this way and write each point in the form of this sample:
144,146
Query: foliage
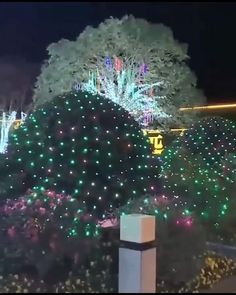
82,145
46,227
199,169
49,244
136,42
21,284
179,236
214,269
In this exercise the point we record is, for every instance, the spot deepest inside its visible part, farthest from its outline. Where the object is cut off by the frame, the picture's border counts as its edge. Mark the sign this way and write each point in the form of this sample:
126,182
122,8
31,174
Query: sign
17,124
156,140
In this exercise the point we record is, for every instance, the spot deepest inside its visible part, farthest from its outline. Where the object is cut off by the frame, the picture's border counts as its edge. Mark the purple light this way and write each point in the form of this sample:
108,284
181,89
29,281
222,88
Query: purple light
108,63
77,87
143,69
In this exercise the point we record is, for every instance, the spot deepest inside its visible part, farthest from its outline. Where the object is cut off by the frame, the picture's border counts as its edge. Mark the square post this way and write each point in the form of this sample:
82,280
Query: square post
137,254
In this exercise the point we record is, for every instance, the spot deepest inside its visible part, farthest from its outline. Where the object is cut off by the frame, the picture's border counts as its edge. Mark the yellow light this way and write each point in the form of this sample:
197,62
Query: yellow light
178,129
210,107
156,140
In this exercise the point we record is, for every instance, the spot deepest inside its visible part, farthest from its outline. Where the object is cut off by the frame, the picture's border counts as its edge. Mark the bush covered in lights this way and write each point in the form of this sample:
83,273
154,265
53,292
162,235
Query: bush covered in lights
200,169
178,261
43,226
82,145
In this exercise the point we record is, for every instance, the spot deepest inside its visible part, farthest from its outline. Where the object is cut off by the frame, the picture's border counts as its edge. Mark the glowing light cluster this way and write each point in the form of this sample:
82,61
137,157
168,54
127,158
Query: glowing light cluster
6,123
126,85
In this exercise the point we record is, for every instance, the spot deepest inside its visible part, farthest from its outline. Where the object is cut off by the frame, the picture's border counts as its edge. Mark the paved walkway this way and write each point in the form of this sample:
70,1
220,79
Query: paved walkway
225,286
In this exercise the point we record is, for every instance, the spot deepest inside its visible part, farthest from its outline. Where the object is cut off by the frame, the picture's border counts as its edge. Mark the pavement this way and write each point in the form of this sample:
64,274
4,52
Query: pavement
228,251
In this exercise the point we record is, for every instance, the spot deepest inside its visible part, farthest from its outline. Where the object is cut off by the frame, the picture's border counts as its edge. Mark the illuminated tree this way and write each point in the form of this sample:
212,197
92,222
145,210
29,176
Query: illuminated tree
16,80
126,86
196,169
82,145
127,60
7,123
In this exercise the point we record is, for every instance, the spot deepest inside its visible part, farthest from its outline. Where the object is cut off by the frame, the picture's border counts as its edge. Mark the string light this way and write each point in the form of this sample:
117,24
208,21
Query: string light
8,120
200,168
91,164
127,86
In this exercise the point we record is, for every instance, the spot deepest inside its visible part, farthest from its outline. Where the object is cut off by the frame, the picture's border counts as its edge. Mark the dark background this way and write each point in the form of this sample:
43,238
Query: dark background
26,29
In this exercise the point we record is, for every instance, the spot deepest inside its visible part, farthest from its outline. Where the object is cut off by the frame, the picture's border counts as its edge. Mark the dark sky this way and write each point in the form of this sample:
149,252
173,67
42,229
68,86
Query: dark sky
209,28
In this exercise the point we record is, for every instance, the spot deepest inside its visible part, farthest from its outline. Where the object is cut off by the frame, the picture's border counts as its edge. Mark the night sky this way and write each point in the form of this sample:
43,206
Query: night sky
26,29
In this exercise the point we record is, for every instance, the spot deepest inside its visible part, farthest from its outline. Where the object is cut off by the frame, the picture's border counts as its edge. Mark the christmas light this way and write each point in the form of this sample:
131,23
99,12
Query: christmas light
8,121
90,164
200,168
125,85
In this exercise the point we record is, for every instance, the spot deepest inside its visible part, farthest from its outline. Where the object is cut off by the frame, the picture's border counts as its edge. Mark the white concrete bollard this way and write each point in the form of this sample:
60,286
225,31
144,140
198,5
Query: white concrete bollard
137,254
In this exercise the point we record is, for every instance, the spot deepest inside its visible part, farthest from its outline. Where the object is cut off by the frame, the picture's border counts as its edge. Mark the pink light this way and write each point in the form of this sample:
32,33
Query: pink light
42,210
108,223
189,223
118,64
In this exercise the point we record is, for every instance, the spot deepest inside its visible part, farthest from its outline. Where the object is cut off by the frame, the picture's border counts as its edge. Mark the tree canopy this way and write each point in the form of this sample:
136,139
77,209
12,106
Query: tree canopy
135,42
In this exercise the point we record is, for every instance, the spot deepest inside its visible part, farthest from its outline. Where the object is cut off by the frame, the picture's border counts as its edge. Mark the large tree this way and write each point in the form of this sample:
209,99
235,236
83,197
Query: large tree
128,60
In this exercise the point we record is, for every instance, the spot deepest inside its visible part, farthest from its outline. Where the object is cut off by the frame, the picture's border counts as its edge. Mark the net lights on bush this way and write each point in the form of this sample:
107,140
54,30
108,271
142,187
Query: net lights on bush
164,207
200,168
126,85
85,146
30,216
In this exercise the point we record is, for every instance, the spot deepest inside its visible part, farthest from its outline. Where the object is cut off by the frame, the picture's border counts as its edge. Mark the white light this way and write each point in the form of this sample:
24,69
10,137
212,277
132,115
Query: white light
125,88
7,121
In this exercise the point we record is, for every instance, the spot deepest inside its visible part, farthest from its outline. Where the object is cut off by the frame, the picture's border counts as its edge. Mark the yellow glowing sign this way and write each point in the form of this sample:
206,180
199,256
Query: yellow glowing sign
17,124
156,140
